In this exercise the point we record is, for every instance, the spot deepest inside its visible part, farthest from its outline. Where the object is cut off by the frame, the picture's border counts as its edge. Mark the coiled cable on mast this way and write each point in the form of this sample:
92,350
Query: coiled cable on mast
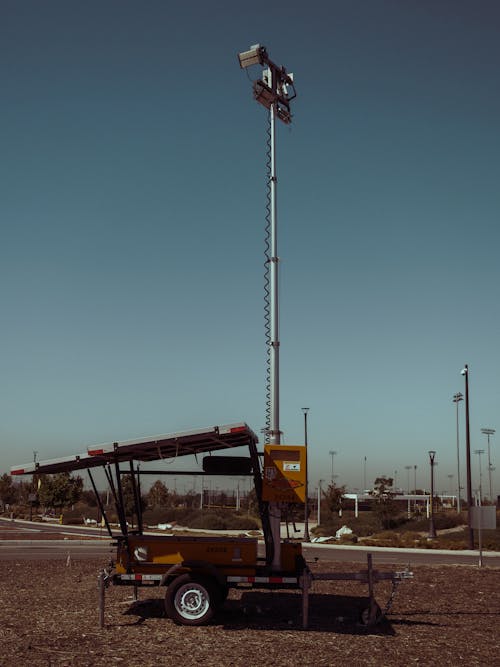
267,279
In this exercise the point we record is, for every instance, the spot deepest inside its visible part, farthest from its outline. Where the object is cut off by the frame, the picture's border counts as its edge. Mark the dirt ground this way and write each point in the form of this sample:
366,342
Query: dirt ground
444,616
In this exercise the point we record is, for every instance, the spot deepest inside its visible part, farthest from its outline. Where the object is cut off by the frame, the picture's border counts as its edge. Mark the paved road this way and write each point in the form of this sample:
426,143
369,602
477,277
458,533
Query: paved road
24,540
401,557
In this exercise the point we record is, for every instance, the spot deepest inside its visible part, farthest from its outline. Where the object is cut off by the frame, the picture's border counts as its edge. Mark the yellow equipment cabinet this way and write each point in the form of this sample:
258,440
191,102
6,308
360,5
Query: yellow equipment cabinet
150,554
285,471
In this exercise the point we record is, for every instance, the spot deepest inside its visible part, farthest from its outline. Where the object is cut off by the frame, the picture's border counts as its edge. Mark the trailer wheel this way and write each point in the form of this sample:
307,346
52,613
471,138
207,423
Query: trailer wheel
371,616
191,600
222,592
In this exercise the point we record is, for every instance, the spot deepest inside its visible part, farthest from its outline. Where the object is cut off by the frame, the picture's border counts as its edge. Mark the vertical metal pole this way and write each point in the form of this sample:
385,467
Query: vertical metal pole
100,505
457,398
120,506
372,614
319,501
489,470
274,432
307,537
101,585
479,512
305,581
468,461
432,528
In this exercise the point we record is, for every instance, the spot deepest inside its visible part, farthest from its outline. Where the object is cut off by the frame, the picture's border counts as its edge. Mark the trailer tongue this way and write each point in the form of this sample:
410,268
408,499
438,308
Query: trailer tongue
199,571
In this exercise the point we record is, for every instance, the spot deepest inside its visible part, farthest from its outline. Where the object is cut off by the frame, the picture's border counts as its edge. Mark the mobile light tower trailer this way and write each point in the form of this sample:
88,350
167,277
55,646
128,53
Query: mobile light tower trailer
198,572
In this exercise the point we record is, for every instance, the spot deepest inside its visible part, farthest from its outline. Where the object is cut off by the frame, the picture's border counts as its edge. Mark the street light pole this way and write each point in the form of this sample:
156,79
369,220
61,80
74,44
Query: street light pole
465,373
432,529
487,432
320,482
456,399
306,506
332,454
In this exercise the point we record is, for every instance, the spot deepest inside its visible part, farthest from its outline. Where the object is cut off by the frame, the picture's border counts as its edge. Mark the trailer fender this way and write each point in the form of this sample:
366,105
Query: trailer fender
200,567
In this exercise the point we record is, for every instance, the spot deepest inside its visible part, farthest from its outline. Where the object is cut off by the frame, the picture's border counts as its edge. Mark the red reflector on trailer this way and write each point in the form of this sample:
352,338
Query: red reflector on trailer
20,471
238,429
95,452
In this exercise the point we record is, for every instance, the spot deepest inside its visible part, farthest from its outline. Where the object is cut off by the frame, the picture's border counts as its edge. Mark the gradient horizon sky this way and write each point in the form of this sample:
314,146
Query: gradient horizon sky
132,227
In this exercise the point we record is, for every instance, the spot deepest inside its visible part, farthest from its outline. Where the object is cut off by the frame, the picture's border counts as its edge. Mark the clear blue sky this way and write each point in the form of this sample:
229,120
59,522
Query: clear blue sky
132,226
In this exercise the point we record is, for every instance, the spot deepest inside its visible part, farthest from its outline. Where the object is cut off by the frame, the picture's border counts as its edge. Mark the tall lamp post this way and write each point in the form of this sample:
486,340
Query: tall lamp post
274,90
432,529
456,399
320,482
487,432
332,454
465,373
306,507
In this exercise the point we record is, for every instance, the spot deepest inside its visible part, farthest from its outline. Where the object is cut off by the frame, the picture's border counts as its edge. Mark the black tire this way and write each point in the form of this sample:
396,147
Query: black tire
370,616
191,600
221,595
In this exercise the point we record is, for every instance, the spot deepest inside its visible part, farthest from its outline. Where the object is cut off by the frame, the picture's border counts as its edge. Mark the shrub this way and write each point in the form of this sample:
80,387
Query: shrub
211,520
442,521
365,524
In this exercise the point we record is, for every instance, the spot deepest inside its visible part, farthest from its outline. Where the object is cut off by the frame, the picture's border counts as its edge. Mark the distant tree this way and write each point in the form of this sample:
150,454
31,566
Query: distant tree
158,495
384,504
129,498
333,496
60,490
191,499
88,497
252,502
23,491
8,491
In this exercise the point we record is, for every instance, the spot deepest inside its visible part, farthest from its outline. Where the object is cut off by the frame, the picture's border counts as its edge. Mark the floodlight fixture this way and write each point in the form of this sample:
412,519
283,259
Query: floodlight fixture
263,94
275,89
256,55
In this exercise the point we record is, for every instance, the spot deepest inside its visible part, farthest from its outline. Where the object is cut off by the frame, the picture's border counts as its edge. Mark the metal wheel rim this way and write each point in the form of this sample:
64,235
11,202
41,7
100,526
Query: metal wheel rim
192,601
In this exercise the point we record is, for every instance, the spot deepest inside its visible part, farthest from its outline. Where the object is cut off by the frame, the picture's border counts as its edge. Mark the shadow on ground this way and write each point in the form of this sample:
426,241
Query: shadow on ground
274,611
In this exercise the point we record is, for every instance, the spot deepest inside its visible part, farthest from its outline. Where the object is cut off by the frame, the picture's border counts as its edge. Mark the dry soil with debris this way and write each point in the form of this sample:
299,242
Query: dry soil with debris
444,616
